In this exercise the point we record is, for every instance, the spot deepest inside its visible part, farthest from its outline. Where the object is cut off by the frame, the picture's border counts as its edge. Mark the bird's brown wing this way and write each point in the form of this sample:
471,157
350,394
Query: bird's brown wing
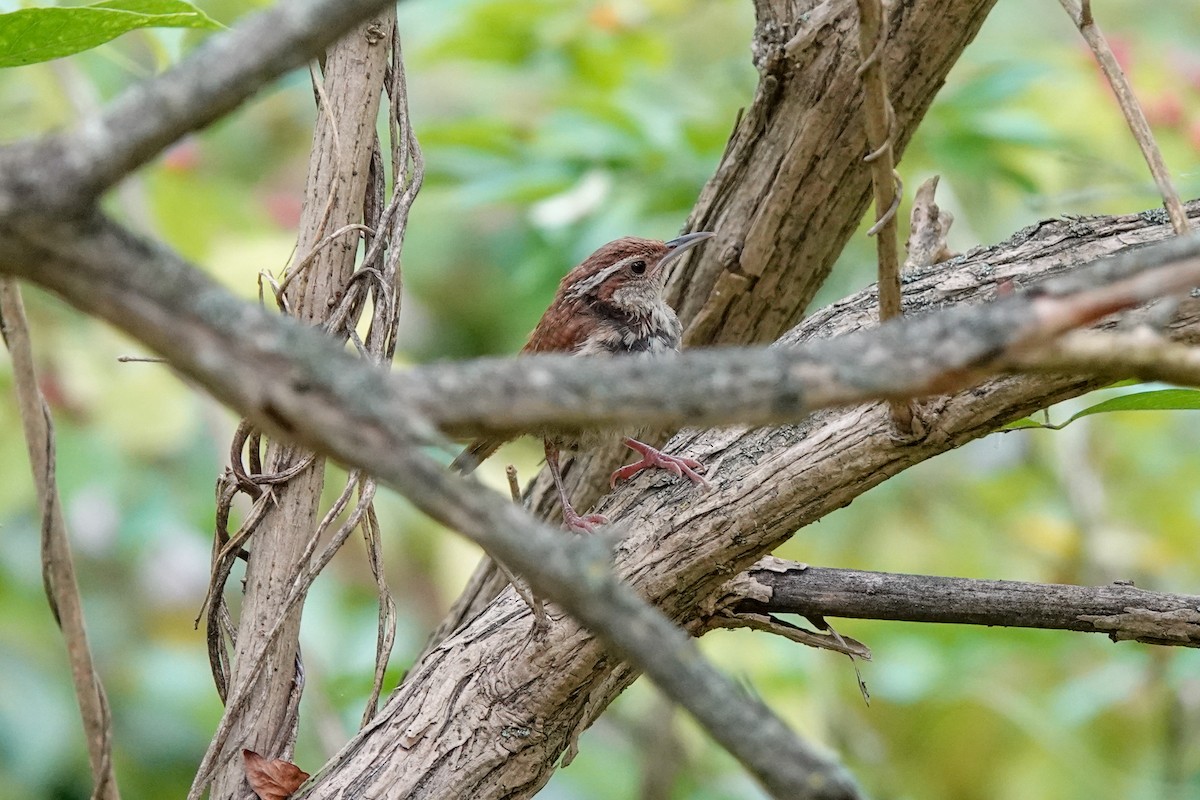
561,330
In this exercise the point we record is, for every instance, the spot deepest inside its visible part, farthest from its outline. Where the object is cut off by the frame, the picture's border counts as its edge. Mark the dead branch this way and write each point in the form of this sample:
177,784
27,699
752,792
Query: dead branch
1142,354
1118,610
928,229
872,26
1081,15
58,565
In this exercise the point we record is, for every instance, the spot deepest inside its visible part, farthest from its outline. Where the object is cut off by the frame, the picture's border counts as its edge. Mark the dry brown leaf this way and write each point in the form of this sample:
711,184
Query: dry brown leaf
272,780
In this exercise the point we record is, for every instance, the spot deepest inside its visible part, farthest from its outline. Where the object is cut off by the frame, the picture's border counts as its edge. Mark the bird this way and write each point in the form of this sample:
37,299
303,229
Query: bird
610,305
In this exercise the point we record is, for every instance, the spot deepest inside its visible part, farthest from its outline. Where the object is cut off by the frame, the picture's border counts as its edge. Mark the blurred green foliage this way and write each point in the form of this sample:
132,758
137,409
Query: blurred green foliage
549,127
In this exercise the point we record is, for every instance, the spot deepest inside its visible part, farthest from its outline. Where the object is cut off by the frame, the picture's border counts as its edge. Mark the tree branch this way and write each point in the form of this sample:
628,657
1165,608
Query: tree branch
1081,15
792,185
295,380
1119,610
1141,354
67,172
58,564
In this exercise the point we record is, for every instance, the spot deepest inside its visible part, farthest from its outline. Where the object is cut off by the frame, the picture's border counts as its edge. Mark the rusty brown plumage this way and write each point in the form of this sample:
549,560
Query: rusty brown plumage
609,305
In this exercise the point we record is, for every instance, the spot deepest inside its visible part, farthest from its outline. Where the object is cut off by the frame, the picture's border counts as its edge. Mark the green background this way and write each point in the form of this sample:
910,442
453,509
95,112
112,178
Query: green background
548,128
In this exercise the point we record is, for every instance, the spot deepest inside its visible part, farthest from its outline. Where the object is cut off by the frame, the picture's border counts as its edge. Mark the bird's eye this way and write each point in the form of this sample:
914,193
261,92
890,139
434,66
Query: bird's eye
638,267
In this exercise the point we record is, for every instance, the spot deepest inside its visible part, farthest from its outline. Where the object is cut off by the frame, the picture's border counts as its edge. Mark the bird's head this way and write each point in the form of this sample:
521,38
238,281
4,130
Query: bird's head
627,274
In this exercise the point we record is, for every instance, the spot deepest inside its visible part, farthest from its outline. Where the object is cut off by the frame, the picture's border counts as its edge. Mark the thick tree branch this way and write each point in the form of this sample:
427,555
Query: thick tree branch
1118,610
792,185
69,171
577,575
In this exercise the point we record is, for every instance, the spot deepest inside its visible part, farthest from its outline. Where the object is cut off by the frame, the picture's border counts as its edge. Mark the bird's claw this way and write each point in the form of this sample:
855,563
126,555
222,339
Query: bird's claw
651,458
573,521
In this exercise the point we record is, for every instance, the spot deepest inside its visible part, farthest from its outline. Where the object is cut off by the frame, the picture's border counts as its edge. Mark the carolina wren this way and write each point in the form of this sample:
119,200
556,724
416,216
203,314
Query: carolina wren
610,305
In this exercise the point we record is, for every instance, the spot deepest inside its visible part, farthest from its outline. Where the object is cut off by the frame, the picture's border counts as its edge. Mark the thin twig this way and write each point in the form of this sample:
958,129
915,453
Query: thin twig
386,633
767,623
1081,15
880,127
140,360
292,273
58,568
540,621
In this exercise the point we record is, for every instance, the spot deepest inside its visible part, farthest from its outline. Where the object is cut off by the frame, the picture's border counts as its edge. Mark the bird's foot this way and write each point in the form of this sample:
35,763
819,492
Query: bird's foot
572,521
655,458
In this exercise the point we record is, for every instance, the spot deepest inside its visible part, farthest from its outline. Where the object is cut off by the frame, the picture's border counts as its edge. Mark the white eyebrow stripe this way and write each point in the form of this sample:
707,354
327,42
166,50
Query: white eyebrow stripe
583,288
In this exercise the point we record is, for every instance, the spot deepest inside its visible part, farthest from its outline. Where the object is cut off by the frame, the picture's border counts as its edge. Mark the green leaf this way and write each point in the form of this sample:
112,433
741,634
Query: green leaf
1027,422
1157,400
42,34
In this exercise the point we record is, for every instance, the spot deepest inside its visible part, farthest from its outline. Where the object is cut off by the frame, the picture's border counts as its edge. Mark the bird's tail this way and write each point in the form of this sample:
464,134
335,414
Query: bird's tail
474,454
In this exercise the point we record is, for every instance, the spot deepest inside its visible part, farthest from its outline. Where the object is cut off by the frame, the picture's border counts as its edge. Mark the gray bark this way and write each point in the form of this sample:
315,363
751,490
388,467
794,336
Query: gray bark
343,141
1121,611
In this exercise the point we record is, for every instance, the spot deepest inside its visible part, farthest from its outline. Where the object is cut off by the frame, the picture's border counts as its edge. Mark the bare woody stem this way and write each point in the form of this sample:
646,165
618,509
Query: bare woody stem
58,565
1118,610
344,137
1081,15
880,124
1139,354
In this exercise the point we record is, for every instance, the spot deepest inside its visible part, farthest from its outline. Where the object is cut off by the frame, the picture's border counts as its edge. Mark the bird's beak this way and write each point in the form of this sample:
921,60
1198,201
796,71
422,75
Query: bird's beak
676,247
